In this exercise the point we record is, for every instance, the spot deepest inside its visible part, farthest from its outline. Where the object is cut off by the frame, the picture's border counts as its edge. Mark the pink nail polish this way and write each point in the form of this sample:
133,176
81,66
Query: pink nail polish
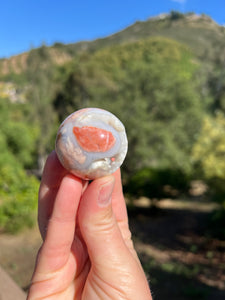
105,193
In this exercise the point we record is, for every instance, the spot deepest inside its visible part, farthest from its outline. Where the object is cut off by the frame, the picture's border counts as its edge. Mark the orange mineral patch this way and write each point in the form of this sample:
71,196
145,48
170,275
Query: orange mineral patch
94,139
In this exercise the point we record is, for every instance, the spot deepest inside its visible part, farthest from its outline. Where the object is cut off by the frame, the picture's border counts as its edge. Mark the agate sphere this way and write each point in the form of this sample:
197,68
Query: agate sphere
91,143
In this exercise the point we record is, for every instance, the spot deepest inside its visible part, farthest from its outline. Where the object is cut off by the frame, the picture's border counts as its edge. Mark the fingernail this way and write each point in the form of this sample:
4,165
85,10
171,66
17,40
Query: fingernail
105,193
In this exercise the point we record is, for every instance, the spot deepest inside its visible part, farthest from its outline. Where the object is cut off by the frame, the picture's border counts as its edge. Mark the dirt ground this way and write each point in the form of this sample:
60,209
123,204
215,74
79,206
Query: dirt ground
181,258
17,255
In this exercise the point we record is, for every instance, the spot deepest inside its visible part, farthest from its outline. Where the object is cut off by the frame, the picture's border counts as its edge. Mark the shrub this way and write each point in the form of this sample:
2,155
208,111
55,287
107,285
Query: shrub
18,192
209,153
157,183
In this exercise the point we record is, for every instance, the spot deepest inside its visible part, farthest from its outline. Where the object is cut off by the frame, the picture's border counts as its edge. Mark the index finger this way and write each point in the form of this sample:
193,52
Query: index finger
53,172
51,179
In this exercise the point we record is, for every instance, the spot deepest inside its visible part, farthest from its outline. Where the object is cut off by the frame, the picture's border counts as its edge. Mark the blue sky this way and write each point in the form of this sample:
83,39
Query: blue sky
30,23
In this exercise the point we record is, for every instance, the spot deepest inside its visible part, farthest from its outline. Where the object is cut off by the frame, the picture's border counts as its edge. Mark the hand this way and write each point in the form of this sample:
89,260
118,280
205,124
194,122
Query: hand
87,253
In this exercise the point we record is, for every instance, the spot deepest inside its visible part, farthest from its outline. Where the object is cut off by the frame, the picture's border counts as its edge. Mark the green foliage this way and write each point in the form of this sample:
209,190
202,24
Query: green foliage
150,86
216,78
181,269
156,86
209,150
209,153
157,184
40,75
19,79
21,141
20,135
18,191
176,15
73,95
18,197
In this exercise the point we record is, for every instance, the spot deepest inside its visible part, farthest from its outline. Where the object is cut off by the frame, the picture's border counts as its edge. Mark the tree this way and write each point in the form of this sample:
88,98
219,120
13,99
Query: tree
73,95
209,153
151,86
40,75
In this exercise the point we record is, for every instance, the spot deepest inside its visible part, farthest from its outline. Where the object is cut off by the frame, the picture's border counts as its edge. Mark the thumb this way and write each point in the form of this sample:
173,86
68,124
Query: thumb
98,224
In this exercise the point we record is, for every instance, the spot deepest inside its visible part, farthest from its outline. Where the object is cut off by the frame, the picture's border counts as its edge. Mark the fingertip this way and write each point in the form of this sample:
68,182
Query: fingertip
52,160
89,205
53,171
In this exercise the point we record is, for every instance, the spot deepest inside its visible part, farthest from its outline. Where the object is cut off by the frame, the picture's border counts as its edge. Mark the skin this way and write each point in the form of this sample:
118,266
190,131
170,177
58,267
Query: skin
87,251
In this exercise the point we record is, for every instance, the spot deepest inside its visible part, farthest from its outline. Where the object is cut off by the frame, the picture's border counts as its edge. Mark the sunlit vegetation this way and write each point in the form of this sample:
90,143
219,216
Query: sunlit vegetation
18,191
209,154
150,86
154,76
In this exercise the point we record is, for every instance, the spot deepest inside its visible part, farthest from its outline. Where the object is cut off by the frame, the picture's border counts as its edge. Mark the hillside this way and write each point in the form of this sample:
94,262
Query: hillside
19,63
199,32
204,36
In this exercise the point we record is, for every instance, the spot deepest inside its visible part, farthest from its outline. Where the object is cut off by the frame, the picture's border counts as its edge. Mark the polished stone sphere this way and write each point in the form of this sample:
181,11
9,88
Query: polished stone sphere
91,143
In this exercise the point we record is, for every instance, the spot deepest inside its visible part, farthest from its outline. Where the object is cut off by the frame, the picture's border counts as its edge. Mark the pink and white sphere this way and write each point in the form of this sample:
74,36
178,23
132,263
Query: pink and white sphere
91,143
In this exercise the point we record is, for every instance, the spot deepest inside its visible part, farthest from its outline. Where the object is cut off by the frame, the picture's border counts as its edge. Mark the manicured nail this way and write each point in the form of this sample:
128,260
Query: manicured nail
105,193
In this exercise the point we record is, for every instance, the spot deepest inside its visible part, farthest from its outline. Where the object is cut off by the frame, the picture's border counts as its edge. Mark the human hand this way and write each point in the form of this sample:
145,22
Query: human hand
87,252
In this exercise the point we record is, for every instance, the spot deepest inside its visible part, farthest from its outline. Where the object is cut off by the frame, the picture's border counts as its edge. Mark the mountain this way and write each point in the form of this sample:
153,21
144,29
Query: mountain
199,32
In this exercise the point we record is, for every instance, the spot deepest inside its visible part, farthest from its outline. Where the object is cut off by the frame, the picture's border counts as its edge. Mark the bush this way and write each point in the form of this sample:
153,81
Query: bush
157,184
18,191
176,15
18,197
208,154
